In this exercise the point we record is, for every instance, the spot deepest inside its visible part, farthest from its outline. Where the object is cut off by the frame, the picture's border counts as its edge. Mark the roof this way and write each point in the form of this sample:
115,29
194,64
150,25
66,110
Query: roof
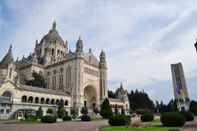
42,90
8,58
115,100
53,35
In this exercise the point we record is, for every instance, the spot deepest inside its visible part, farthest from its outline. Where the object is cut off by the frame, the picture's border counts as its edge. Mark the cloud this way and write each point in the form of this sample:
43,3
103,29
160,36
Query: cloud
141,38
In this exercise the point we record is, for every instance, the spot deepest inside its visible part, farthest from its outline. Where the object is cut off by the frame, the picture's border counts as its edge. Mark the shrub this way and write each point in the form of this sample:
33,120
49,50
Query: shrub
61,112
31,118
146,117
84,110
67,118
85,118
50,111
48,119
188,116
106,110
119,120
172,119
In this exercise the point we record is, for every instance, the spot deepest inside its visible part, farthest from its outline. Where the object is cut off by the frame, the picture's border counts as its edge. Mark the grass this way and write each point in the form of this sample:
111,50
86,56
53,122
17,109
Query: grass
124,128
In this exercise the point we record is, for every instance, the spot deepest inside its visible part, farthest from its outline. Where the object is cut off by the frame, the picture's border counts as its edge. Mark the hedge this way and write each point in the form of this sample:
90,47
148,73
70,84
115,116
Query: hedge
172,119
67,118
48,119
146,117
119,120
85,118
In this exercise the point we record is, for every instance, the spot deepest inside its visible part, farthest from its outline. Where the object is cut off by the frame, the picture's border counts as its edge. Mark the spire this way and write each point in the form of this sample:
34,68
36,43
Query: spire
54,25
79,45
102,57
8,58
121,85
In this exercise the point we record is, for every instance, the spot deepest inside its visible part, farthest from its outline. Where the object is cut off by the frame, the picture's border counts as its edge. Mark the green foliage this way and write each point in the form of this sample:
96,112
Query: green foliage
31,118
119,120
172,119
146,117
39,112
74,112
38,80
85,118
67,118
50,111
140,100
111,94
48,119
188,116
61,112
106,110
193,107
84,110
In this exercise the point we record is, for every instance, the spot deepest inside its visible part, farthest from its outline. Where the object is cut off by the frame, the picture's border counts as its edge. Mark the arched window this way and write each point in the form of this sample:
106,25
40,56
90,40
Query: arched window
68,77
62,102
47,101
7,94
53,101
30,99
57,102
36,100
42,100
24,99
66,102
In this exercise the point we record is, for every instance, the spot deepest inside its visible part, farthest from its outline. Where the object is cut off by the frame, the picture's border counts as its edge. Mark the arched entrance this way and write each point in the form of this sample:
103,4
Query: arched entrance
90,97
7,94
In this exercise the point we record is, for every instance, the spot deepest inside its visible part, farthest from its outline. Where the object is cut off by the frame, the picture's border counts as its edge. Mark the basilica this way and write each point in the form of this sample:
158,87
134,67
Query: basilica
74,78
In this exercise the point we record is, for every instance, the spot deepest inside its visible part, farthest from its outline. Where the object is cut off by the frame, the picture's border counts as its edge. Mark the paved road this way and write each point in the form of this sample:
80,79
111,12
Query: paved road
190,126
66,126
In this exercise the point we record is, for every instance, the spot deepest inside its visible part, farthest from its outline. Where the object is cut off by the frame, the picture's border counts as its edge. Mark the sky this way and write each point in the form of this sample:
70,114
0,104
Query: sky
141,38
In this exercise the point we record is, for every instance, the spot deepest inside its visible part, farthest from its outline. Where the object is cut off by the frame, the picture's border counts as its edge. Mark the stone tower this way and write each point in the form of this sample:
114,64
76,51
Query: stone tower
77,92
180,87
103,76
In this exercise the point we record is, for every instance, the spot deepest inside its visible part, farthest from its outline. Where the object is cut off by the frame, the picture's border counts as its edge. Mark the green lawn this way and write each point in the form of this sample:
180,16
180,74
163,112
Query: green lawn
122,128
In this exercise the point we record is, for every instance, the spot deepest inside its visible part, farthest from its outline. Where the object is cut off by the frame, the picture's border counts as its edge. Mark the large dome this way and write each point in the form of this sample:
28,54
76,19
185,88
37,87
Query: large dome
53,36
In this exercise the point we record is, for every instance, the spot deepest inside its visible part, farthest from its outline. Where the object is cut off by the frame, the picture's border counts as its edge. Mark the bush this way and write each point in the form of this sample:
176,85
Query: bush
85,118
31,118
50,111
119,120
67,118
61,112
188,116
48,119
84,110
172,119
146,117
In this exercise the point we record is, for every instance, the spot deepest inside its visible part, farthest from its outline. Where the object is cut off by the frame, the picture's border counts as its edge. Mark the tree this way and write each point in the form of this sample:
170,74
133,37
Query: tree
111,94
106,110
61,111
193,107
39,112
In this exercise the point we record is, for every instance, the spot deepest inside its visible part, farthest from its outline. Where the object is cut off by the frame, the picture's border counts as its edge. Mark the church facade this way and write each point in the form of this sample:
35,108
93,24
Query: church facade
74,78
